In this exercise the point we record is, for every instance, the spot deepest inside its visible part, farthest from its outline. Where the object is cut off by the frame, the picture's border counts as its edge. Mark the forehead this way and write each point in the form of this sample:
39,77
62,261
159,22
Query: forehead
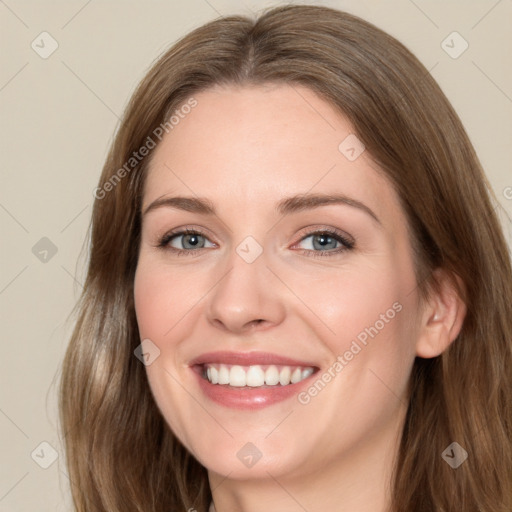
252,145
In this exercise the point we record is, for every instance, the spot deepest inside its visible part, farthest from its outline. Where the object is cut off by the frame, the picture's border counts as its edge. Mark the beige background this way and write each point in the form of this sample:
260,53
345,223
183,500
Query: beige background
58,116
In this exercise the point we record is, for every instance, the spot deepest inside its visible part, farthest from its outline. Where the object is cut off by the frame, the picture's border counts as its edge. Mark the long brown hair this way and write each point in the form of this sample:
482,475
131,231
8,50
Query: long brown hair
121,454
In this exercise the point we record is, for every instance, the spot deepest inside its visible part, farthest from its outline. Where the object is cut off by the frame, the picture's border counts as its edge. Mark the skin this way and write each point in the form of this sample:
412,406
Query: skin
245,149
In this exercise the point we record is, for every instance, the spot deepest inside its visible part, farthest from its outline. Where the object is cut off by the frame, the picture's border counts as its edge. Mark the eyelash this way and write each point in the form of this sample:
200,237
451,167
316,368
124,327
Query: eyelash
332,233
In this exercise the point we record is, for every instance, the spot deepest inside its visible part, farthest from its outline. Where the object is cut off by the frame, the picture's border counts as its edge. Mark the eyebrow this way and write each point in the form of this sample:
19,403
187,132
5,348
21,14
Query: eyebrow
286,206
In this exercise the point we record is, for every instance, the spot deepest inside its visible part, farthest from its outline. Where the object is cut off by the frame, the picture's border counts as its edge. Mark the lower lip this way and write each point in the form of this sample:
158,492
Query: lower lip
247,397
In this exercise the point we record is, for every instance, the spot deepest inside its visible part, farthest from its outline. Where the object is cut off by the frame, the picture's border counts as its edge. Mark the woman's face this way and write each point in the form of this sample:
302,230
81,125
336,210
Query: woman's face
299,254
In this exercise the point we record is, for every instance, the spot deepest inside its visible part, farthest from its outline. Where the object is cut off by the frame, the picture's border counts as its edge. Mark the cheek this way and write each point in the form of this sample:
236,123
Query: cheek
152,298
161,304
370,342
364,316
345,302
162,297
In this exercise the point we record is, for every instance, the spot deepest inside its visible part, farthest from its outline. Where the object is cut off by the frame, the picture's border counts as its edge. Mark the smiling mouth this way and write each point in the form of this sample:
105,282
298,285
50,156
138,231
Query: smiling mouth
254,376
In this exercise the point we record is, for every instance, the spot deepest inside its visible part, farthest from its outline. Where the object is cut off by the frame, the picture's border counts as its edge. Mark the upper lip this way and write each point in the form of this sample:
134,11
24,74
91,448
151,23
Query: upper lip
248,359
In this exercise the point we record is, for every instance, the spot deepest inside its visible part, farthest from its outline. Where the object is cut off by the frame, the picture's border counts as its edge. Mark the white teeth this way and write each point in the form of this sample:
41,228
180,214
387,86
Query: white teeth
255,375
237,376
306,373
271,376
223,375
296,376
284,376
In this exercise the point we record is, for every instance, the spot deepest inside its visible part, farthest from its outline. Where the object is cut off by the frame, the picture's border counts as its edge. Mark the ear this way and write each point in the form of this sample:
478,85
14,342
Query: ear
442,316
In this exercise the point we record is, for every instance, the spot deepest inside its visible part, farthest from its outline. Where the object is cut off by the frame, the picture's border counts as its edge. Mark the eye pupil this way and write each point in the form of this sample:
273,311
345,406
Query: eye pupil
192,240
324,241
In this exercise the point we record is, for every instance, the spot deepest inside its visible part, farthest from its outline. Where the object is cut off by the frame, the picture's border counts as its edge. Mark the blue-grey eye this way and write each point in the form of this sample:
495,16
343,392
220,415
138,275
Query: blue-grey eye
321,242
189,241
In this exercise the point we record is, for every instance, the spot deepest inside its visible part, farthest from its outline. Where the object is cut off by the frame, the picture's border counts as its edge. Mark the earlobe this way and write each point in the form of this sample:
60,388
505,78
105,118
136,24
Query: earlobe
442,316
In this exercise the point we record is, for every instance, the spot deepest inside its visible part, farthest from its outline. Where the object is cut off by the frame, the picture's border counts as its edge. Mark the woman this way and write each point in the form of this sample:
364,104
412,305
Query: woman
298,294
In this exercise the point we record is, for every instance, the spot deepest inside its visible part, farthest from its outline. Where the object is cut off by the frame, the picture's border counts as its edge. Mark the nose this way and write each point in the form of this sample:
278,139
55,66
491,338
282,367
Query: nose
246,298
